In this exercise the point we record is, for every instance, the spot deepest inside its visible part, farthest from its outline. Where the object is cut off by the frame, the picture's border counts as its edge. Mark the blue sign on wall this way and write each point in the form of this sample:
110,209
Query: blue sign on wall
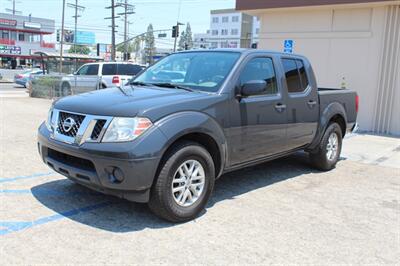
288,46
85,37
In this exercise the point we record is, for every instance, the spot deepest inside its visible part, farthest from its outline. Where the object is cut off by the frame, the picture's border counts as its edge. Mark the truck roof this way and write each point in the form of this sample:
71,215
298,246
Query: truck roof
242,51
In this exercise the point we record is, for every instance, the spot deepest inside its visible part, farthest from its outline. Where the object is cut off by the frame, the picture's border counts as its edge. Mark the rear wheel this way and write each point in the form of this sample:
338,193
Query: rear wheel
328,152
184,184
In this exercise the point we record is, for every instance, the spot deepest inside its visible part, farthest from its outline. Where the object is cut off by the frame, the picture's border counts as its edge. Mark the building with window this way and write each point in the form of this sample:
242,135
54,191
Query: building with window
351,43
21,36
228,29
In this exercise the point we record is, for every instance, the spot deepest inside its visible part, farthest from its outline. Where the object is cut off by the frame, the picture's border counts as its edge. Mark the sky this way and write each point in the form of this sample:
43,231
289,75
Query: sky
161,13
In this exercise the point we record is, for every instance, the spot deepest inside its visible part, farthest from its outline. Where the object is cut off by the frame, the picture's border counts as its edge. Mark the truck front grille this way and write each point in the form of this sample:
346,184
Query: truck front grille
97,129
69,124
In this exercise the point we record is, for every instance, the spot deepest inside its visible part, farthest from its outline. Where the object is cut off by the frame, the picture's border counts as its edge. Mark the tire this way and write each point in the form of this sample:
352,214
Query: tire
321,158
164,202
65,89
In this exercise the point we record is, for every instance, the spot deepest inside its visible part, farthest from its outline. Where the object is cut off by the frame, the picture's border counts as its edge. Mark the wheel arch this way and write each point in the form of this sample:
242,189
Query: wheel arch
334,112
197,127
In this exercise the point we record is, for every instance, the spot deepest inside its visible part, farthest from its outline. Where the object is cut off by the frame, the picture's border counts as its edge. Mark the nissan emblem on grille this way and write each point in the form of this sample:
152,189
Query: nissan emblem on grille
68,124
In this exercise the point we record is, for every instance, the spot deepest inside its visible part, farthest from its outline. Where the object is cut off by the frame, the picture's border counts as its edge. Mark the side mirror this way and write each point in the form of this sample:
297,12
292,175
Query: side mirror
75,73
254,87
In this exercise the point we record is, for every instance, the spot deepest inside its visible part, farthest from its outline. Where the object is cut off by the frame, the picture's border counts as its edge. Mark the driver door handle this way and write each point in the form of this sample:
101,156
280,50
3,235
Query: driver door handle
312,103
280,107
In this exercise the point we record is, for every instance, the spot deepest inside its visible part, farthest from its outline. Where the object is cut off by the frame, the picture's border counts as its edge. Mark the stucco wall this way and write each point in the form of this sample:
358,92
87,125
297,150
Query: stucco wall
341,42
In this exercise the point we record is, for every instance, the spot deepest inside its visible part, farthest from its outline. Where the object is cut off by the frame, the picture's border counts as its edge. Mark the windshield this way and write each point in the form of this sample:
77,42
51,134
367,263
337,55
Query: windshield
203,71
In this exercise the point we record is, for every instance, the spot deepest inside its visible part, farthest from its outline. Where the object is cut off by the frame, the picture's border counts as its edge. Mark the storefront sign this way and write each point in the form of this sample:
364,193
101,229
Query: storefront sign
32,25
8,22
10,50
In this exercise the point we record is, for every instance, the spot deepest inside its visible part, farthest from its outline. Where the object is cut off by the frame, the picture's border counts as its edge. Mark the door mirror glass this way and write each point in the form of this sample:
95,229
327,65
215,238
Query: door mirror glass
254,87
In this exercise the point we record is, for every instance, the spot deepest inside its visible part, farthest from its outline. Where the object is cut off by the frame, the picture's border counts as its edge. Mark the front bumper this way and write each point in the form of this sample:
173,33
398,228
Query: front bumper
93,165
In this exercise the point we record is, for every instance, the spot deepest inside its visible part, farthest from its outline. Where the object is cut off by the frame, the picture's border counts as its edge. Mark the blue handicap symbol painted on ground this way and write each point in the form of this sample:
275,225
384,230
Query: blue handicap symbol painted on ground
7,227
288,46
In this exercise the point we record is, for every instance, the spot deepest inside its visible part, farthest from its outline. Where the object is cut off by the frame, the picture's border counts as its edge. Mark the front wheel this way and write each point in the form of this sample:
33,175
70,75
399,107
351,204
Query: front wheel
184,184
328,152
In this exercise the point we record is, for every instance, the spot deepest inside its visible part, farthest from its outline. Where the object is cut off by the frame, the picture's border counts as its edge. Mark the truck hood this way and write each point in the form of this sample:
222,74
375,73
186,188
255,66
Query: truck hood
130,101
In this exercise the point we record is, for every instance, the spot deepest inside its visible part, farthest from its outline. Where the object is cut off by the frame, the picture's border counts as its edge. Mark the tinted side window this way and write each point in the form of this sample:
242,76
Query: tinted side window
128,69
109,69
260,69
292,75
303,74
93,70
83,70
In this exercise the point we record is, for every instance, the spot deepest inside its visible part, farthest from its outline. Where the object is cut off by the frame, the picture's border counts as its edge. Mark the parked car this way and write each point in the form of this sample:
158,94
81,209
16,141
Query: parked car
25,77
110,74
165,138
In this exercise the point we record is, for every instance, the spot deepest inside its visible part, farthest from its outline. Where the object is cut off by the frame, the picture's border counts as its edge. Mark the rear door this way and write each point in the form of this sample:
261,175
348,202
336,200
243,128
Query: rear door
258,122
302,103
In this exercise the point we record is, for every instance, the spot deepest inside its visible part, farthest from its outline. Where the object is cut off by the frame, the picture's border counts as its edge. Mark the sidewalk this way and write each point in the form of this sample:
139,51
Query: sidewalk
372,149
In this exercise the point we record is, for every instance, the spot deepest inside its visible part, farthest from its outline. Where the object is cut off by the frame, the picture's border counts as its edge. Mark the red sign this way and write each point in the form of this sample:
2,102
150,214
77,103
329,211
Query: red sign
8,22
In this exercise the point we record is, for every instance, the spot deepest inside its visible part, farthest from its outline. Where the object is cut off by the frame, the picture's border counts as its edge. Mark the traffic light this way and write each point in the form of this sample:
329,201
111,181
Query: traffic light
58,36
175,31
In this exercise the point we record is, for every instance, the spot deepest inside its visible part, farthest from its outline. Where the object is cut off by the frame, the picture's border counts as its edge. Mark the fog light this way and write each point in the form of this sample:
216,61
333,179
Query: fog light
115,175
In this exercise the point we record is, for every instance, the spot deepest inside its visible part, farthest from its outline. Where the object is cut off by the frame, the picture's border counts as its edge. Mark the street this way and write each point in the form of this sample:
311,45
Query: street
281,212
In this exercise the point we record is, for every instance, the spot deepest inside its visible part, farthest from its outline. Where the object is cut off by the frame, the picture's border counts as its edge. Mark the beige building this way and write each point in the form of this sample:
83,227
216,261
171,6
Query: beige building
354,43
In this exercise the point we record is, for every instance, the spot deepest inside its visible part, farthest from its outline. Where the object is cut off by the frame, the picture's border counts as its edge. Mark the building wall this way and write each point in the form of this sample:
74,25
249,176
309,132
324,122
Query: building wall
355,45
229,25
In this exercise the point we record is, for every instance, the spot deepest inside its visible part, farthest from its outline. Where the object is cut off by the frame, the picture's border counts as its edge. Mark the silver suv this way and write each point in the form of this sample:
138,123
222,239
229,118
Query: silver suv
99,76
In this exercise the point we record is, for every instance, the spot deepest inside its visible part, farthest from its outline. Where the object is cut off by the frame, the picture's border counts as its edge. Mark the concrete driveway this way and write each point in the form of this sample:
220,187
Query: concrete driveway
282,212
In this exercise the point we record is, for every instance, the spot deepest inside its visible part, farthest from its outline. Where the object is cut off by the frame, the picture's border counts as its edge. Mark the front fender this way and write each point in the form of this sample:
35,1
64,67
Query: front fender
180,124
326,115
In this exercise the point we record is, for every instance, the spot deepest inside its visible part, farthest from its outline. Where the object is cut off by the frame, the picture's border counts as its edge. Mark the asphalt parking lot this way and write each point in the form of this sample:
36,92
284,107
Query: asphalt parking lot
281,212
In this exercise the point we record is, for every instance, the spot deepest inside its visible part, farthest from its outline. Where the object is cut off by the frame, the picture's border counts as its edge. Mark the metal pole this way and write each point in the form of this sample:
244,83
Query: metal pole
62,37
76,31
113,30
126,32
176,35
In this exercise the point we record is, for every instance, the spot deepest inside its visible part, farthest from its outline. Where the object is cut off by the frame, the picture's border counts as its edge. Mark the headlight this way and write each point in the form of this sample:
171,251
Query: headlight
49,121
123,129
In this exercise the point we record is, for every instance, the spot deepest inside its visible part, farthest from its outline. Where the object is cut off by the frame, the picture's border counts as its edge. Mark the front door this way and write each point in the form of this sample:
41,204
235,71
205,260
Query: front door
258,123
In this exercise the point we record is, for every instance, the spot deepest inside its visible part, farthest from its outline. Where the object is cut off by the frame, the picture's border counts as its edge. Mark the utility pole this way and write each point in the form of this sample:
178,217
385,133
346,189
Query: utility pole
13,11
62,37
113,26
77,8
128,10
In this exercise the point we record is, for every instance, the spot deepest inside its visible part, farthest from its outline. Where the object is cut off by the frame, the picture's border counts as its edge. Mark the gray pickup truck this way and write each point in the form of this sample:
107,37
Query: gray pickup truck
191,117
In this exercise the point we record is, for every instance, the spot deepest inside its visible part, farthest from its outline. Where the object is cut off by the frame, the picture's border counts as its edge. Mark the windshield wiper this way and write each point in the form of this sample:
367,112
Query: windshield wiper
139,83
173,86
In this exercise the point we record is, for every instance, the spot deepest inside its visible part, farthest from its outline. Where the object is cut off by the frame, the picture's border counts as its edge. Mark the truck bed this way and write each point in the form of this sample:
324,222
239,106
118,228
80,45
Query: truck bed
345,97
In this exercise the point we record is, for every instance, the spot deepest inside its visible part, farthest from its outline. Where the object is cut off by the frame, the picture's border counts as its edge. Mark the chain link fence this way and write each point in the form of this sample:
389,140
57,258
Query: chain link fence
56,86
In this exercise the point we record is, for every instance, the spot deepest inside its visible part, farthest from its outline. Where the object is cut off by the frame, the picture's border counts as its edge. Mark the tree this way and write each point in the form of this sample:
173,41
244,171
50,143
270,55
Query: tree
189,37
121,48
149,44
79,49
182,41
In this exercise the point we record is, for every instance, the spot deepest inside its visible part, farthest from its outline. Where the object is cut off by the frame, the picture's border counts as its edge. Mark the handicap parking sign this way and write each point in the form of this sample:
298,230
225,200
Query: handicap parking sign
288,46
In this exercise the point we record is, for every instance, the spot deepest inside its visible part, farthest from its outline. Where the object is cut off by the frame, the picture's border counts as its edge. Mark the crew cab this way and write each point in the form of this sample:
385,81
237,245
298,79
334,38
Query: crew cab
99,75
166,137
